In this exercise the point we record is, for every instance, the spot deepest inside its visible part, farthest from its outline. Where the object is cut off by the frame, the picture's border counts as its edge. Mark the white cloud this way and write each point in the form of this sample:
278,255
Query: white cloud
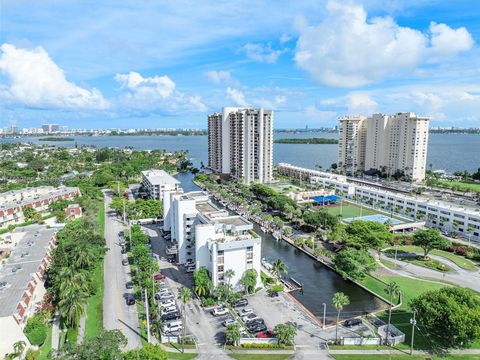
315,113
348,50
237,97
218,77
36,81
262,52
361,104
156,93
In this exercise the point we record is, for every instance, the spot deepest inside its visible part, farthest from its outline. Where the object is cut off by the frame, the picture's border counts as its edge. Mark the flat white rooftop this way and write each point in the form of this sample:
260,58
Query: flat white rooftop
159,177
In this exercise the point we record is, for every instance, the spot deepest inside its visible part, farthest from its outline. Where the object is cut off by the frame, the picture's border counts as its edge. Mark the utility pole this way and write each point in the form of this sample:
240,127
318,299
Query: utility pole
413,322
148,316
124,214
324,314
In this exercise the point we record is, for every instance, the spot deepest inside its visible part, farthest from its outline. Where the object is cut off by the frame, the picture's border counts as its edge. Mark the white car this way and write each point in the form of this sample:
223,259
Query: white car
244,312
166,296
173,328
229,322
190,269
169,309
249,317
167,303
219,311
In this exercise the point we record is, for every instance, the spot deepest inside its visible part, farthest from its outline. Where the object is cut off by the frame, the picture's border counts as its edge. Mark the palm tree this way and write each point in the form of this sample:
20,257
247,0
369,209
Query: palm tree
72,304
19,347
84,258
392,289
185,296
279,267
229,274
339,300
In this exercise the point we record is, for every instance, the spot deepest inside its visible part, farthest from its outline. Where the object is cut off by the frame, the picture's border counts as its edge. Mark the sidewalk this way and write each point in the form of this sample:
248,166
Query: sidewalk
55,331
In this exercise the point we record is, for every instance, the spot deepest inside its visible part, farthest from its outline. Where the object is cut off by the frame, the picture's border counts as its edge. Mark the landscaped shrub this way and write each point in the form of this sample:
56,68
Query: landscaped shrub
208,301
461,250
277,288
262,346
36,330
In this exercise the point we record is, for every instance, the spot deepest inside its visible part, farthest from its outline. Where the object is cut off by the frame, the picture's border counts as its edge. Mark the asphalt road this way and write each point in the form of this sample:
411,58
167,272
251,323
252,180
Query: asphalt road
116,314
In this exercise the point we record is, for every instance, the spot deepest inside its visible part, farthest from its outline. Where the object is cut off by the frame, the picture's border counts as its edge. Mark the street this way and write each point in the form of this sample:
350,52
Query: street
116,314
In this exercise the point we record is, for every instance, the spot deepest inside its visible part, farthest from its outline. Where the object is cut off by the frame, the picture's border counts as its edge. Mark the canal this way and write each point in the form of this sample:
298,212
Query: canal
319,281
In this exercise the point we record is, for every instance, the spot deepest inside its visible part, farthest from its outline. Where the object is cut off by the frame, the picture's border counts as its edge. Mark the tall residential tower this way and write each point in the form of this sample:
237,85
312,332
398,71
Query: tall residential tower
387,143
240,144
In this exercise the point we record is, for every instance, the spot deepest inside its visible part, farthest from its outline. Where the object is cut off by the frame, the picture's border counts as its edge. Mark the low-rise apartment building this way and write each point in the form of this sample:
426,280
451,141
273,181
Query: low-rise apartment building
208,236
22,280
12,203
155,182
448,217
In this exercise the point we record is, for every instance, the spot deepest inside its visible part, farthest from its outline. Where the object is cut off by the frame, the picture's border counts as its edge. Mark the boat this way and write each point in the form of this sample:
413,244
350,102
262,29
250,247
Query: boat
266,264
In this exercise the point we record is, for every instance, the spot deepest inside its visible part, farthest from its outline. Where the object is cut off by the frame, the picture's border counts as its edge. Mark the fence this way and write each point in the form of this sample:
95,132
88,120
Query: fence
258,341
361,341
395,336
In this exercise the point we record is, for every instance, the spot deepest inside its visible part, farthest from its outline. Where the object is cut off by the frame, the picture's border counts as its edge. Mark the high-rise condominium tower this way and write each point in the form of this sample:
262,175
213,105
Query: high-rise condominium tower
240,143
388,143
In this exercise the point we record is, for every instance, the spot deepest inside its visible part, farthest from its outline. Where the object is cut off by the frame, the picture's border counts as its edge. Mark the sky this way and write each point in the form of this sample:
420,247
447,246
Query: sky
154,64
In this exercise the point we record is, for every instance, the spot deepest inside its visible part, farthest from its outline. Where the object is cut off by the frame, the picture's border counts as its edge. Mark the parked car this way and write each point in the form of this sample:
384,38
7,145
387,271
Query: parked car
219,311
166,296
158,296
352,322
166,302
250,317
264,335
123,250
190,269
130,299
159,276
257,328
129,284
244,311
229,321
240,303
169,309
125,262
273,294
171,316
161,283
173,328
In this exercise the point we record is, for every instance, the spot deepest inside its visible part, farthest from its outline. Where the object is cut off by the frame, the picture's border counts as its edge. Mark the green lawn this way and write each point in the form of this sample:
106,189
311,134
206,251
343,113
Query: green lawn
413,259
458,260
461,185
285,187
180,356
405,357
348,210
260,356
46,346
388,264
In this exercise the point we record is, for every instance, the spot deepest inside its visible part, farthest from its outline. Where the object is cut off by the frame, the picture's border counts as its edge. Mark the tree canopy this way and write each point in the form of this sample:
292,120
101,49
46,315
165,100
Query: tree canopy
429,239
354,263
368,234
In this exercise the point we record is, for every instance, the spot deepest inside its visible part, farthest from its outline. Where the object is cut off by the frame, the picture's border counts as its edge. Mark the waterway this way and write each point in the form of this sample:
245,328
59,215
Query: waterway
450,152
319,281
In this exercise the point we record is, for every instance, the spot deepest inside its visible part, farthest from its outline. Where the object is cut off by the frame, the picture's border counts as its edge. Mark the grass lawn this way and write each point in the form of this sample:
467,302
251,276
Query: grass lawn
413,259
180,356
46,346
94,323
260,356
461,185
285,187
458,260
388,264
411,288
349,210
405,357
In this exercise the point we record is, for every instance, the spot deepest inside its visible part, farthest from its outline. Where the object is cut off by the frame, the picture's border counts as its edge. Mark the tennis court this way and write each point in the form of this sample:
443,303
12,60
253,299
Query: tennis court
382,219
348,210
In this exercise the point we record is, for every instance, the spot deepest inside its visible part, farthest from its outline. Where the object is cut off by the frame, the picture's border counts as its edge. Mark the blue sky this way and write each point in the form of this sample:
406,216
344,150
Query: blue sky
168,64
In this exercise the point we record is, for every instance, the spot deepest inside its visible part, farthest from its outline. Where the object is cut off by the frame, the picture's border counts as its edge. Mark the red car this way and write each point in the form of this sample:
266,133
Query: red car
159,277
264,335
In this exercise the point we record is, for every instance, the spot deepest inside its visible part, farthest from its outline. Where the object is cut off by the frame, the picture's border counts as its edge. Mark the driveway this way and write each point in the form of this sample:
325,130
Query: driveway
116,314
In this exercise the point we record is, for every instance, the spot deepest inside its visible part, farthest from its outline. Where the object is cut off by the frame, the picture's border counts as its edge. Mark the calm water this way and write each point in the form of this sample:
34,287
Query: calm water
320,283
445,151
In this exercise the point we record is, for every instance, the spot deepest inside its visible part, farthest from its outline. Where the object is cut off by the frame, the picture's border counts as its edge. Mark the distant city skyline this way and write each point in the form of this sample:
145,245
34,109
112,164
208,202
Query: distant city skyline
153,65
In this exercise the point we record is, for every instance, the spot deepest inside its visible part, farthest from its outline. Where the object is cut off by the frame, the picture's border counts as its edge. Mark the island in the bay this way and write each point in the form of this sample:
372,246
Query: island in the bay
53,138
305,141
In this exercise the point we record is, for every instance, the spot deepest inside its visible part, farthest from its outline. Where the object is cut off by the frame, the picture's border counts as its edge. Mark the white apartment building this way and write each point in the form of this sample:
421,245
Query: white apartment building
210,237
387,143
12,203
240,144
155,182
440,214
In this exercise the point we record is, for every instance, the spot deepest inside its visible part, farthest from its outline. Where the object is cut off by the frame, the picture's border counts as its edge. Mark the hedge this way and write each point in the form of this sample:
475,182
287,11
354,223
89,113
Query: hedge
36,330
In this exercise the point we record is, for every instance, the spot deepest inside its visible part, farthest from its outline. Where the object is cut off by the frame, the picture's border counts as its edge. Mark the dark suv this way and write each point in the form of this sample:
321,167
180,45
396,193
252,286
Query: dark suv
241,302
130,299
352,322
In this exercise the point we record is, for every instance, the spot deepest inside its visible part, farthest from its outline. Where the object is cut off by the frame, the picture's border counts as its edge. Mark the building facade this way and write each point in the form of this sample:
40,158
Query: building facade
446,216
155,182
208,236
387,143
240,144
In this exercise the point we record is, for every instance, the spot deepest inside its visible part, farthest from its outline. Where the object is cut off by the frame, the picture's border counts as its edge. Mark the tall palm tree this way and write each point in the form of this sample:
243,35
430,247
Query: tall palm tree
73,304
84,257
339,300
229,274
19,348
185,296
391,289
279,267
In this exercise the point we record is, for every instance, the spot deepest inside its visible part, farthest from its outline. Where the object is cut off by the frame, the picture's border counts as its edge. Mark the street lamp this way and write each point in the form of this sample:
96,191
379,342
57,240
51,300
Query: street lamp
414,323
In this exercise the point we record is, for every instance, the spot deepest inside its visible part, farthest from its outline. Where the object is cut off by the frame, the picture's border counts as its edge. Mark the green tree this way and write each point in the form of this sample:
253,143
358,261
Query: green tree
229,274
450,314
249,281
147,352
339,301
233,334
185,296
19,347
278,268
392,289
60,215
202,282
29,213
354,263
368,234
429,239
285,334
